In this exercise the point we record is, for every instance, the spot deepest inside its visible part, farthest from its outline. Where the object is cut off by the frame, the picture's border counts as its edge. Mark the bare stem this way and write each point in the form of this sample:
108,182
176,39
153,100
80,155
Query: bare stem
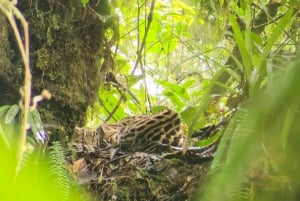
11,11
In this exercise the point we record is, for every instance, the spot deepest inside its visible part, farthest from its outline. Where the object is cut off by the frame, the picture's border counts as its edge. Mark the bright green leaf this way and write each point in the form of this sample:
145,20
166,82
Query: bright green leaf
84,2
3,110
4,138
11,113
189,82
133,79
186,7
176,89
283,23
188,115
175,99
211,140
158,108
241,43
36,126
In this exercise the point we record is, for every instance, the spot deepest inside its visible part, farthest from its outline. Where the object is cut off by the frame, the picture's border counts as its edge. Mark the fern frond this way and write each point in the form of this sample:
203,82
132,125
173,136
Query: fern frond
62,181
237,126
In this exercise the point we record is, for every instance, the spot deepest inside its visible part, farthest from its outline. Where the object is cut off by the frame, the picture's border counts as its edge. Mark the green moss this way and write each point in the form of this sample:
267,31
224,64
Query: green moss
67,41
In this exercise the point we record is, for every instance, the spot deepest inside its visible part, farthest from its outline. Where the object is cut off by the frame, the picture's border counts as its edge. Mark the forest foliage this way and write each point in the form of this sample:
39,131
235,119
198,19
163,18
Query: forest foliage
210,61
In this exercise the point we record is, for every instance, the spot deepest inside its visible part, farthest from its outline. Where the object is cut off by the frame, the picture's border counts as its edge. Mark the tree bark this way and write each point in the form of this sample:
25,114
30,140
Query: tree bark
8,90
66,44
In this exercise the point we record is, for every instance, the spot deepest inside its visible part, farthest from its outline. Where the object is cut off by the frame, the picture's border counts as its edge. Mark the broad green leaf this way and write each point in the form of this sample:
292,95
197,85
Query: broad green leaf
238,8
36,126
4,137
188,115
256,39
137,103
261,128
205,100
283,23
295,3
111,103
221,2
175,99
84,2
158,108
211,140
189,82
241,43
3,110
236,60
186,7
248,33
235,75
224,86
122,64
11,113
175,88
287,125
133,79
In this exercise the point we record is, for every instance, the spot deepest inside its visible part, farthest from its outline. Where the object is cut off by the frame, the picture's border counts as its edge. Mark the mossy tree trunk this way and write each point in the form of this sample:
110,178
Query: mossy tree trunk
67,43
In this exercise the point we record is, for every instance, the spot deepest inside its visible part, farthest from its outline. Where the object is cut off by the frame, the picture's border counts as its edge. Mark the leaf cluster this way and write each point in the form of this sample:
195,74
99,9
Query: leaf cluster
258,158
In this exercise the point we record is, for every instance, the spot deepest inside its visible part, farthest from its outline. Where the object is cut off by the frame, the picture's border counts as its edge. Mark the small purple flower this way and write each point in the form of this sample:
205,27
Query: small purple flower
42,136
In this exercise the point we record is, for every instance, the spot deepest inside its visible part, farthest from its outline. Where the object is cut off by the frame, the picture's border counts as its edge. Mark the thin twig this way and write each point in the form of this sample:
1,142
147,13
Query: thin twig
106,109
111,114
10,10
139,54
